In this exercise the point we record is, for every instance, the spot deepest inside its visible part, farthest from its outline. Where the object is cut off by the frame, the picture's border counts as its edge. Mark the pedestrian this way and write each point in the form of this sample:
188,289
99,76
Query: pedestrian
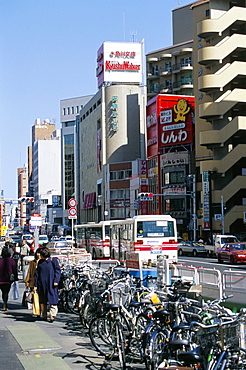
25,250
30,277
47,278
8,274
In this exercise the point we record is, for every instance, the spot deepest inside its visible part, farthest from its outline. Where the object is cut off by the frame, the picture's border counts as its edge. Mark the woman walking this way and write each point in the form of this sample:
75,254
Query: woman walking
47,277
8,274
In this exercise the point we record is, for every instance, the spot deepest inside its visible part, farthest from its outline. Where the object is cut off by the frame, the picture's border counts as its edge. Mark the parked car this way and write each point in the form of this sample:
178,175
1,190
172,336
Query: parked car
43,240
232,253
59,247
191,248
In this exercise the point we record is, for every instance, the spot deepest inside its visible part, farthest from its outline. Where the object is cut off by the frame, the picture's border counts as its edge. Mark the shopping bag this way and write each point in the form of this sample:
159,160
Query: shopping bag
15,290
35,305
29,297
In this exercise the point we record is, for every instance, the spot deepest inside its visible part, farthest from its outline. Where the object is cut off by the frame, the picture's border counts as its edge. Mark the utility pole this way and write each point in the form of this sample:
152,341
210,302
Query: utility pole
222,215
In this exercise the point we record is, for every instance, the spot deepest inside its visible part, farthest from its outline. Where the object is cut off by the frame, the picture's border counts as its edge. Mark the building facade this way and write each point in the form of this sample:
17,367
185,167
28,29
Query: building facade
69,110
111,137
219,27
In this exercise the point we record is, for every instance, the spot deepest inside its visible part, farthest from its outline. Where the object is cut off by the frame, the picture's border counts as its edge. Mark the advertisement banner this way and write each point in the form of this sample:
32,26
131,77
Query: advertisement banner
170,121
120,62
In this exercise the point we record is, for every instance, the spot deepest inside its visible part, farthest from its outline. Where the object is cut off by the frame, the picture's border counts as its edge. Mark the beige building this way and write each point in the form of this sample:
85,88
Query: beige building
219,67
111,131
170,70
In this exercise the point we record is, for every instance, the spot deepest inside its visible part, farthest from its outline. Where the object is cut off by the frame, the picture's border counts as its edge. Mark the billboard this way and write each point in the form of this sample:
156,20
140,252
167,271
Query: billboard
170,121
120,62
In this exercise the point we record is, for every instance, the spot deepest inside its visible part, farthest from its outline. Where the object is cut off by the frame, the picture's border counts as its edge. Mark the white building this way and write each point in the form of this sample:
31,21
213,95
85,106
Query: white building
46,171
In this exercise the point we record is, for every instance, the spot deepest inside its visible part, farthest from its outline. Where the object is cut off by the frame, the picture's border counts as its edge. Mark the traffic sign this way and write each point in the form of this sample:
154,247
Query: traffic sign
72,211
72,203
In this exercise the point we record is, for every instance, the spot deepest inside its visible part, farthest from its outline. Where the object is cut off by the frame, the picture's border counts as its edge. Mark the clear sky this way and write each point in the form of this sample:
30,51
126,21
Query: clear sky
48,53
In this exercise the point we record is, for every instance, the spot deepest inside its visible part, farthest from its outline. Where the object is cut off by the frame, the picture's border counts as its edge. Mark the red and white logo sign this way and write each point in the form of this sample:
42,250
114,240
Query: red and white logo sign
72,202
72,211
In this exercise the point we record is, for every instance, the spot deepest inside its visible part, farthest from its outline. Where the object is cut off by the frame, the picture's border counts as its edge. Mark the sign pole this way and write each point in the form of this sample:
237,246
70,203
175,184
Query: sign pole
36,238
72,235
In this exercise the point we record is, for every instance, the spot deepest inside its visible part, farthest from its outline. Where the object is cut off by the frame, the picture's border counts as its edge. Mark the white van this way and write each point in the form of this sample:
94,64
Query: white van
221,240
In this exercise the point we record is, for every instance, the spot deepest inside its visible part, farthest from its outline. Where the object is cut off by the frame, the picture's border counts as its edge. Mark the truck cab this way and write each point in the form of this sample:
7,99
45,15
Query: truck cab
221,240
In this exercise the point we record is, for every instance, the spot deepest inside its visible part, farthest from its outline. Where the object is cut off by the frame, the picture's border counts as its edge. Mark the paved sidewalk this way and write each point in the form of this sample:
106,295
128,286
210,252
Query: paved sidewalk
26,343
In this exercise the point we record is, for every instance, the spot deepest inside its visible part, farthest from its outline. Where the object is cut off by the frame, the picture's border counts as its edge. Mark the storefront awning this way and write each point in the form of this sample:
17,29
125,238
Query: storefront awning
89,201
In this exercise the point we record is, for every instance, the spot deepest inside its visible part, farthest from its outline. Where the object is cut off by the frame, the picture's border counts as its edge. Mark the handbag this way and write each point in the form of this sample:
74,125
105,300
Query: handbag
29,297
15,291
35,305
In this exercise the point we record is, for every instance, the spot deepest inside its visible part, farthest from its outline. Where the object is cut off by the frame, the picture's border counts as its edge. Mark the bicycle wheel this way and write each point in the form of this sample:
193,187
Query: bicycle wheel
102,333
121,345
89,314
157,343
83,301
142,322
72,300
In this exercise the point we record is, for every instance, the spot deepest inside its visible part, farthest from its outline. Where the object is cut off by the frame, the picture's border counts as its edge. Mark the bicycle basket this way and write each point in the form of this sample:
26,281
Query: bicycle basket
120,294
231,334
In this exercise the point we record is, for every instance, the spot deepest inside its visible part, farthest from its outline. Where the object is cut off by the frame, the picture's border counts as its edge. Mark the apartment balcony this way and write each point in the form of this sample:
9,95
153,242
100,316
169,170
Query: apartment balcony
152,59
165,71
235,213
230,189
153,91
209,27
220,51
218,80
178,67
165,56
213,137
222,105
152,76
224,164
164,89
179,85
184,50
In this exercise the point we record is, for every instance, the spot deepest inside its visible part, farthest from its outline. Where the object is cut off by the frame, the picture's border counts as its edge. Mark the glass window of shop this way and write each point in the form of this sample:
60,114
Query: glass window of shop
69,167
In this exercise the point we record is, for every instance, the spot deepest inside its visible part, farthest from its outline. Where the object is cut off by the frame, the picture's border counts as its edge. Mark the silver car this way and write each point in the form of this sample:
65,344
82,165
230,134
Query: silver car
191,248
60,247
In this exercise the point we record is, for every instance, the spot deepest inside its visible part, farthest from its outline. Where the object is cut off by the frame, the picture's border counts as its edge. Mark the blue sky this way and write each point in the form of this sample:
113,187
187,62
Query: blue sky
48,53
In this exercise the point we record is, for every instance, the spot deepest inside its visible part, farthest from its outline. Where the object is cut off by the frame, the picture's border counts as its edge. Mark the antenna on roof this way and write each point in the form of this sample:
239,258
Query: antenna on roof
133,34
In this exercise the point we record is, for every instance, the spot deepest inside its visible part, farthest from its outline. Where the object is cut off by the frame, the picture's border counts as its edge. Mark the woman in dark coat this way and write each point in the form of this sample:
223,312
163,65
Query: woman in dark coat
8,274
47,277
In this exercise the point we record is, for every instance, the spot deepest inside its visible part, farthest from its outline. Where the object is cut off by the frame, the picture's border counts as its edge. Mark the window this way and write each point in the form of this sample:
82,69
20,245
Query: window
128,174
185,62
168,66
68,110
64,111
77,109
120,175
174,205
72,110
113,175
174,177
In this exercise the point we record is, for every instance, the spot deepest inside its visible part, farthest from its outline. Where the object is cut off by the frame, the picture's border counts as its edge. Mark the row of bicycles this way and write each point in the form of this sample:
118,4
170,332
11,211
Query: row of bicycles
169,327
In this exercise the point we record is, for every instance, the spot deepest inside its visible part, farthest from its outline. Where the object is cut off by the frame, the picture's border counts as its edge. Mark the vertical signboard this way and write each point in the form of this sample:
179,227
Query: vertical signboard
206,200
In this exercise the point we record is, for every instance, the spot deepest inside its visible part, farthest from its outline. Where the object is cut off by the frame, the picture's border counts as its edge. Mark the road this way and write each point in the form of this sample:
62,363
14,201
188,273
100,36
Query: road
210,263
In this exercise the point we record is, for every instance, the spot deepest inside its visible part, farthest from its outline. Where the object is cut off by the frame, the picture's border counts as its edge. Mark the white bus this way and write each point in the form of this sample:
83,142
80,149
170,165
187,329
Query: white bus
94,237
147,236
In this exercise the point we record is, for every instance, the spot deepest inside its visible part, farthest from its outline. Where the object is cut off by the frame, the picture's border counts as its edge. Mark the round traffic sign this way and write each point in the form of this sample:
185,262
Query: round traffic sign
72,202
72,211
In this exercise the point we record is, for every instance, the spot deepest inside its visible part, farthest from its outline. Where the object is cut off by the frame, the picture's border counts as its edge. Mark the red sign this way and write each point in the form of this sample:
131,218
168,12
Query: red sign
72,212
170,121
72,202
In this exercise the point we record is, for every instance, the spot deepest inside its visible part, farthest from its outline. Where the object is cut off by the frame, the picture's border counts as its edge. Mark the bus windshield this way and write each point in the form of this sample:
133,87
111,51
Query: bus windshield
153,229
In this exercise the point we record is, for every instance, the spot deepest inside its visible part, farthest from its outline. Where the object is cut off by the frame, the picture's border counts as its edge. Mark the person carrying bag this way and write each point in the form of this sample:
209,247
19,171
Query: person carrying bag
8,274
47,278
28,297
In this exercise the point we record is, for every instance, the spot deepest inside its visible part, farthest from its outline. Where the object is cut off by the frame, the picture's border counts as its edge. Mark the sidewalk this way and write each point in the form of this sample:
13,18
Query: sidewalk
26,343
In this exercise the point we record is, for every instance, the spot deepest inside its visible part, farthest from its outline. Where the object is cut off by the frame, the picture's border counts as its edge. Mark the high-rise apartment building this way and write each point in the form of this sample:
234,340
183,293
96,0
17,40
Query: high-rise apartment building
220,91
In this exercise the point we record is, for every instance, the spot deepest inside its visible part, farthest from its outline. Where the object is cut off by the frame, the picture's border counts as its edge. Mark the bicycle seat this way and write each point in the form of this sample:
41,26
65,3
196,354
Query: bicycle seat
178,343
191,357
159,314
111,306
